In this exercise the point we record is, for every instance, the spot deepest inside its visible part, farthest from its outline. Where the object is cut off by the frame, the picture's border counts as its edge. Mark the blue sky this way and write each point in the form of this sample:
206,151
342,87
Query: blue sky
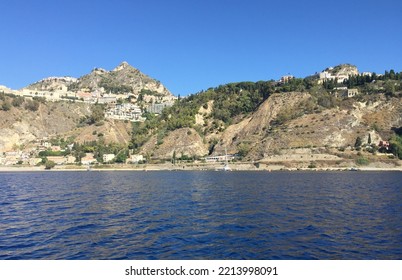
193,45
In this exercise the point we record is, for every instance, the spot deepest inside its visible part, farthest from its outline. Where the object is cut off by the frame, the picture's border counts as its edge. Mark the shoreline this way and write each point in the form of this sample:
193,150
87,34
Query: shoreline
197,167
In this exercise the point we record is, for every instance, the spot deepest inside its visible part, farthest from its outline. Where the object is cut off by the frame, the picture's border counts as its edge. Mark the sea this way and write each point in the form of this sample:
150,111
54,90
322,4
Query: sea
209,215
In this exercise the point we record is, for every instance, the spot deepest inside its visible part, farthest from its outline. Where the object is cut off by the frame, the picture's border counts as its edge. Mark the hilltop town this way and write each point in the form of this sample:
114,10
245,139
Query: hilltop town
337,118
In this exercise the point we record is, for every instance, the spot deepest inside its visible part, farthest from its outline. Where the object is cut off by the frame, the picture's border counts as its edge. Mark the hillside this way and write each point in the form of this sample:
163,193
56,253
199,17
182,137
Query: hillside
32,120
291,122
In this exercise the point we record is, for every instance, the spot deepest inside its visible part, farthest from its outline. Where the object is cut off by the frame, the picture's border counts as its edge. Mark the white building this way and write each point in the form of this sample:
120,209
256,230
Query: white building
108,157
135,158
125,111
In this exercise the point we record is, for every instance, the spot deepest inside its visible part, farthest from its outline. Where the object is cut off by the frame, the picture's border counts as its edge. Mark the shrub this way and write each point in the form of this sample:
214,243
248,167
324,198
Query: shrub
49,164
17,101
32,105
362,161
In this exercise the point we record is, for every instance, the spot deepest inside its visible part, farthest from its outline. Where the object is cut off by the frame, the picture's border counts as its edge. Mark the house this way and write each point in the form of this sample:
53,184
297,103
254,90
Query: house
107,100
344,92
86,97
70,160
45,144
55,148
88,159
34,161
135,158
384,144
157,108
286,78
219,158
108,157
352,92
59,160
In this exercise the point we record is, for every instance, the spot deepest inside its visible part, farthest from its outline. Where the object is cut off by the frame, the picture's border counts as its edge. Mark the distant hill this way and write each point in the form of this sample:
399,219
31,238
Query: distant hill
124,79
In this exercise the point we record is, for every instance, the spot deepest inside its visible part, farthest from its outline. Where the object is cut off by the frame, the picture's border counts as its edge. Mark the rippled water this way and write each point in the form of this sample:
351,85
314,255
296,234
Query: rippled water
201,215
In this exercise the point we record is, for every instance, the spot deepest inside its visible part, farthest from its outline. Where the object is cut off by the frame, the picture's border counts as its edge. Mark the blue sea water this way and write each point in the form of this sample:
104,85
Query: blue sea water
201,215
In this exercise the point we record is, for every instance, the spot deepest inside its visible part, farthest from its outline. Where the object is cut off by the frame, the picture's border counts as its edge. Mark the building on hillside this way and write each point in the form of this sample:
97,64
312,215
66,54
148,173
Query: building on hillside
55,148
125,111
157,108
344,92
70,160
135,159
107,99
352,92
219,158
384,144
88,159
108,157
59,160
286,79
87,97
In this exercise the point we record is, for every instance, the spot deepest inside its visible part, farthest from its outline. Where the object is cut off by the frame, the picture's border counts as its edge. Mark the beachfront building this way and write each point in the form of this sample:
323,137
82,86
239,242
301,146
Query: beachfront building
108,158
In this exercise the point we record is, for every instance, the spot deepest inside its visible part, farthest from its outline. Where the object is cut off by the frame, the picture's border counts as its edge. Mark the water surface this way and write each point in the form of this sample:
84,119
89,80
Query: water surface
201,215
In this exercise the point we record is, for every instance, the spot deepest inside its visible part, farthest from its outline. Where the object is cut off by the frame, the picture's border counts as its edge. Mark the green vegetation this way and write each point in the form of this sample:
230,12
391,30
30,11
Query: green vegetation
358,142
17,101
362,161
396,143
114,87
97,116
49,164
32,105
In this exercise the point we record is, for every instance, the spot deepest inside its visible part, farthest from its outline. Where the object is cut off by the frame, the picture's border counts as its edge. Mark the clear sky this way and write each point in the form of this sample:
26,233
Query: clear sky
191,45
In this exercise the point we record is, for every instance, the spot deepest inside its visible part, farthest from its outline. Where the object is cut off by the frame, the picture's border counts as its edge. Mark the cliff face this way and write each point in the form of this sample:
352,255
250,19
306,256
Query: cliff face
20,126
336,127
184,141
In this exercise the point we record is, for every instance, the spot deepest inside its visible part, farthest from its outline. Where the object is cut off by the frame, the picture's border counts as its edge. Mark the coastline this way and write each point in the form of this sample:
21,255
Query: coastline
244,166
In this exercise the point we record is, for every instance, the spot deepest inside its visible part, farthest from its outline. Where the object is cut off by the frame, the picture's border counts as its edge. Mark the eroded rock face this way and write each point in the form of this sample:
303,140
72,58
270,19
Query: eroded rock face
184,141
20,126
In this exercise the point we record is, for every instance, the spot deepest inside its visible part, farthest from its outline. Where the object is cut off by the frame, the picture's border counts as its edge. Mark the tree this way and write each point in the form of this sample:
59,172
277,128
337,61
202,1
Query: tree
358,142
121,157
32,105
244,149
49,164
390,88
174,157
97,114
369,139
17,101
